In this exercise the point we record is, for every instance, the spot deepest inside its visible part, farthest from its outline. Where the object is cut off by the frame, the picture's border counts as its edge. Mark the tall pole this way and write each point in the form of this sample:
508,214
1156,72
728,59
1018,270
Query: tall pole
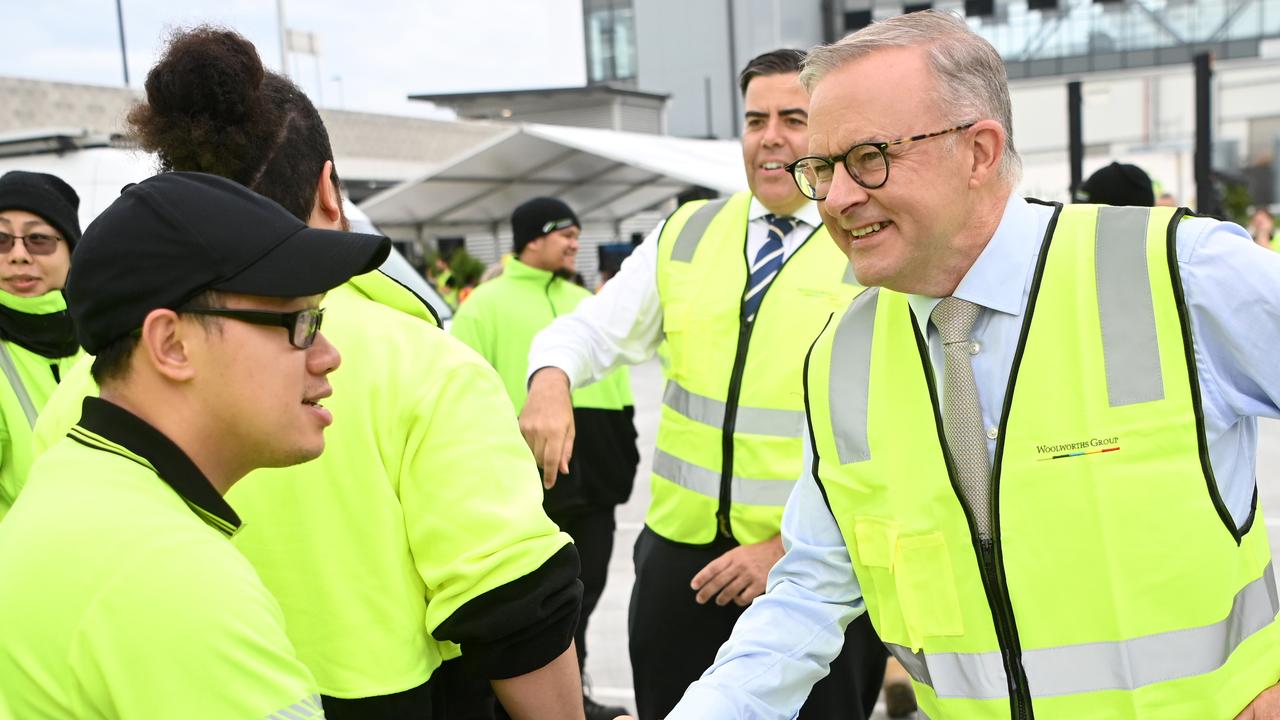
706,94
1075,131
1206,196
284,42
124,56
733,73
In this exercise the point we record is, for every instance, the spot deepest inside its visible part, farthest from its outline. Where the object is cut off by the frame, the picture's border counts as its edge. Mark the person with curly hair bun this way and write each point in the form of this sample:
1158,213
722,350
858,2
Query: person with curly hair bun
420,530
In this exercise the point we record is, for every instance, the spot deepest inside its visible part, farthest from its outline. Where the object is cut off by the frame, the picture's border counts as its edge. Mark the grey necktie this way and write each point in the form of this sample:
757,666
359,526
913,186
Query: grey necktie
961,414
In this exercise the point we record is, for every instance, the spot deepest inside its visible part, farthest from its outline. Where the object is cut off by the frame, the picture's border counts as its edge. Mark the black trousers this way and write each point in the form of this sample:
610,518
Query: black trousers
592,531
674,639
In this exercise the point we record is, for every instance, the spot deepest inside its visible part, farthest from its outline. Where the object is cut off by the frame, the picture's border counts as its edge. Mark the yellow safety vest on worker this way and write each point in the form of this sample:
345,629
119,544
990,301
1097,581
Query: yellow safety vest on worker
1115,585
728,449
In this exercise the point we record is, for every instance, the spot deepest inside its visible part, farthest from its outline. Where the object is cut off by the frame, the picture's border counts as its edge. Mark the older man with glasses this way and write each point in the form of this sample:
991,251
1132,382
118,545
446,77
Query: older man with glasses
1031,442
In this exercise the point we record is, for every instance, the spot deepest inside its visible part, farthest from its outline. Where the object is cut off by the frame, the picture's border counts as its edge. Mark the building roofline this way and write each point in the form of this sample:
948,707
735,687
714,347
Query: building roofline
587,90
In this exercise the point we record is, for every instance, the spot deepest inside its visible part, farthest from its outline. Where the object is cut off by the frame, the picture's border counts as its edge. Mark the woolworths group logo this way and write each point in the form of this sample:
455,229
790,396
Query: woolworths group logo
1092,446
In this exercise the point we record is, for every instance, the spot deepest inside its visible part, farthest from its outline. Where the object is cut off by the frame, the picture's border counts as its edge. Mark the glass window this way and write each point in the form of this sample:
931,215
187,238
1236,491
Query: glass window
611,51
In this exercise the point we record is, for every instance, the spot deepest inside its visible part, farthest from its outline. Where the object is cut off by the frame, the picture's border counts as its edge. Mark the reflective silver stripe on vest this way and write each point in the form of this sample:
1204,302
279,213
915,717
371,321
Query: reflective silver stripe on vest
310,707
756,421
15,382
705,481
1129,347
851,378
1095,667
692,231
848,278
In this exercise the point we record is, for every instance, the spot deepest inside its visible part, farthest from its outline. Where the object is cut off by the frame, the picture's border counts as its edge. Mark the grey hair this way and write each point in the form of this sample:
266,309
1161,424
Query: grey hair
971,78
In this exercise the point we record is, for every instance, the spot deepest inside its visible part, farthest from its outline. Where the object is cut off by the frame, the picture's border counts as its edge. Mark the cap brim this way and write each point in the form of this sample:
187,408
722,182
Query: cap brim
310,262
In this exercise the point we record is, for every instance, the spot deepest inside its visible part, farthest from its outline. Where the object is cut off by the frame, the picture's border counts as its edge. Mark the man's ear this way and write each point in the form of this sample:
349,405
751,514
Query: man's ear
988,145
165,345
327,212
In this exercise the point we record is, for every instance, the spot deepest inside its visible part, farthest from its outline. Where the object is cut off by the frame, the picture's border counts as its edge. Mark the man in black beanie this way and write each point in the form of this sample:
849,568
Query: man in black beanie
545,216
1118,184
38,228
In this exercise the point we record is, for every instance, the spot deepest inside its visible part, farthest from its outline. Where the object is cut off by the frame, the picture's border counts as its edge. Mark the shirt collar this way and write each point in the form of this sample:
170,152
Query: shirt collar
118,426
997,278
808,213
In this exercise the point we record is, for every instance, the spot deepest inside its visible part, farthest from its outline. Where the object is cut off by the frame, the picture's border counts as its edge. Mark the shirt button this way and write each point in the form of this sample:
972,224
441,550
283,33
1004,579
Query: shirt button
992,433
974,348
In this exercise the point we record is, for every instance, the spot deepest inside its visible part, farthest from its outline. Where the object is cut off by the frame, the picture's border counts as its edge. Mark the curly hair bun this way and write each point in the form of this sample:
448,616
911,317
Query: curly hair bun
207,72
205,109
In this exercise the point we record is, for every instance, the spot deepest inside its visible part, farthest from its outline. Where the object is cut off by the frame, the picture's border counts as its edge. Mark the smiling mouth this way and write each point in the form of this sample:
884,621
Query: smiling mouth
869,229
773,165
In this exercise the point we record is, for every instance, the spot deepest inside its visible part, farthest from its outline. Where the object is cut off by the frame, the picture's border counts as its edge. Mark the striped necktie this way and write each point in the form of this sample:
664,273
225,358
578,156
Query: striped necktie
766,265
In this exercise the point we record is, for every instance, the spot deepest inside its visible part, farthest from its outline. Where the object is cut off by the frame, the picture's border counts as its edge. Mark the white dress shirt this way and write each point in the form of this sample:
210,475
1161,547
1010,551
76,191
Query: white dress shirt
622,324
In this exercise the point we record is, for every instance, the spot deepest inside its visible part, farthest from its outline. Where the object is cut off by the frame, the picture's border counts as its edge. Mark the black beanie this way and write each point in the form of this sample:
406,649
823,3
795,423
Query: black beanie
537,217
1118,184
45,195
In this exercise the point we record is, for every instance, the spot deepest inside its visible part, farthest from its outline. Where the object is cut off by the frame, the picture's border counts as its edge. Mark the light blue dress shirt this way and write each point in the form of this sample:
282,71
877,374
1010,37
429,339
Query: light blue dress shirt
785,641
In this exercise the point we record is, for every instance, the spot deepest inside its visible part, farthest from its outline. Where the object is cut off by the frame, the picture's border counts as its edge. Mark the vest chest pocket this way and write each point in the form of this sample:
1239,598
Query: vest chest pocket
912,581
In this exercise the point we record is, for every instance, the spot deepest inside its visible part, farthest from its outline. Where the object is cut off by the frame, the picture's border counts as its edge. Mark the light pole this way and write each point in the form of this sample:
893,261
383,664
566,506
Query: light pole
342,96
284,43
124,56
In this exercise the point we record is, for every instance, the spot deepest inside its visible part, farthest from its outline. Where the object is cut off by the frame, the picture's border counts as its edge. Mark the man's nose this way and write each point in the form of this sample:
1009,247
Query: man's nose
844,192
323,357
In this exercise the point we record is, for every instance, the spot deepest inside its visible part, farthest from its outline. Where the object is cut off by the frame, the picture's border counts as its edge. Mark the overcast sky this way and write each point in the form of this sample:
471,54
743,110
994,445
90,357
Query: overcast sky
382,50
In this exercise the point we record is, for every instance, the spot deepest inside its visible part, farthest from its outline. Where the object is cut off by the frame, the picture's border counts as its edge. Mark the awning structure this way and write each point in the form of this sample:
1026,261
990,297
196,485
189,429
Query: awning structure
605,175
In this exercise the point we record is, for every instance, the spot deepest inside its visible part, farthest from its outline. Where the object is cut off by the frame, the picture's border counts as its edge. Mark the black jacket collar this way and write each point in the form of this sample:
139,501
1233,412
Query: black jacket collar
117,425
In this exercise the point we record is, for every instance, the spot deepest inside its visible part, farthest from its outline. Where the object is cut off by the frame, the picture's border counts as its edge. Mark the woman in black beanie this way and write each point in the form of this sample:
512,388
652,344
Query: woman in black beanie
38,228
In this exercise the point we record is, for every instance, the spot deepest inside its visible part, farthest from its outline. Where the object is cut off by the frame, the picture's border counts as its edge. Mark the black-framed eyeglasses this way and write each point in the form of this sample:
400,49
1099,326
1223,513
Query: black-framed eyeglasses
303,325
36,243
867,163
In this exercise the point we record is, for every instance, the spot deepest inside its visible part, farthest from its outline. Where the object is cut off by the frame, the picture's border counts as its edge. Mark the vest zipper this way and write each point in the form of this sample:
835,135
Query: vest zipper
546,290
723,525
1006,632
990,569
730,421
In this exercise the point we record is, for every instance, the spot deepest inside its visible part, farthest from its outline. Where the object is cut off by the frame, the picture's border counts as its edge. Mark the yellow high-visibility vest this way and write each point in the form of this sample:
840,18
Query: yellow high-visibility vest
728,450
1115,584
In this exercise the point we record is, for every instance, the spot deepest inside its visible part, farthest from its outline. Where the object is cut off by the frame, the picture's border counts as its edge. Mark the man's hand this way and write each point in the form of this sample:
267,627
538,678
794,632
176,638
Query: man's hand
547,422
1264,707
739,575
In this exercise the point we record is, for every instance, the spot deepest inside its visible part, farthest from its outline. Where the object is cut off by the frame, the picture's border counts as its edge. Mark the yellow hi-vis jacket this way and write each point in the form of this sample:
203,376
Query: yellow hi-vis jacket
728,450
1115,585
28,379
425,500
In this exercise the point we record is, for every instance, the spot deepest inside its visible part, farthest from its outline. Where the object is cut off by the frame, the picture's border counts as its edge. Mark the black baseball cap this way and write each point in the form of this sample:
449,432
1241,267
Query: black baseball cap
176,235
1118,184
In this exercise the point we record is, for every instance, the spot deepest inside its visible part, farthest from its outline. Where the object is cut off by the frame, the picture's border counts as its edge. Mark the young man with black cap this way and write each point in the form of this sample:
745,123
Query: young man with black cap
499,321
38,229
124,596
419,534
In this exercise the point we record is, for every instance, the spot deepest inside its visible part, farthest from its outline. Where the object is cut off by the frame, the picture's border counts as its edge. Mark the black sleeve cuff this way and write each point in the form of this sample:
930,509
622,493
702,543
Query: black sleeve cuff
521,626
